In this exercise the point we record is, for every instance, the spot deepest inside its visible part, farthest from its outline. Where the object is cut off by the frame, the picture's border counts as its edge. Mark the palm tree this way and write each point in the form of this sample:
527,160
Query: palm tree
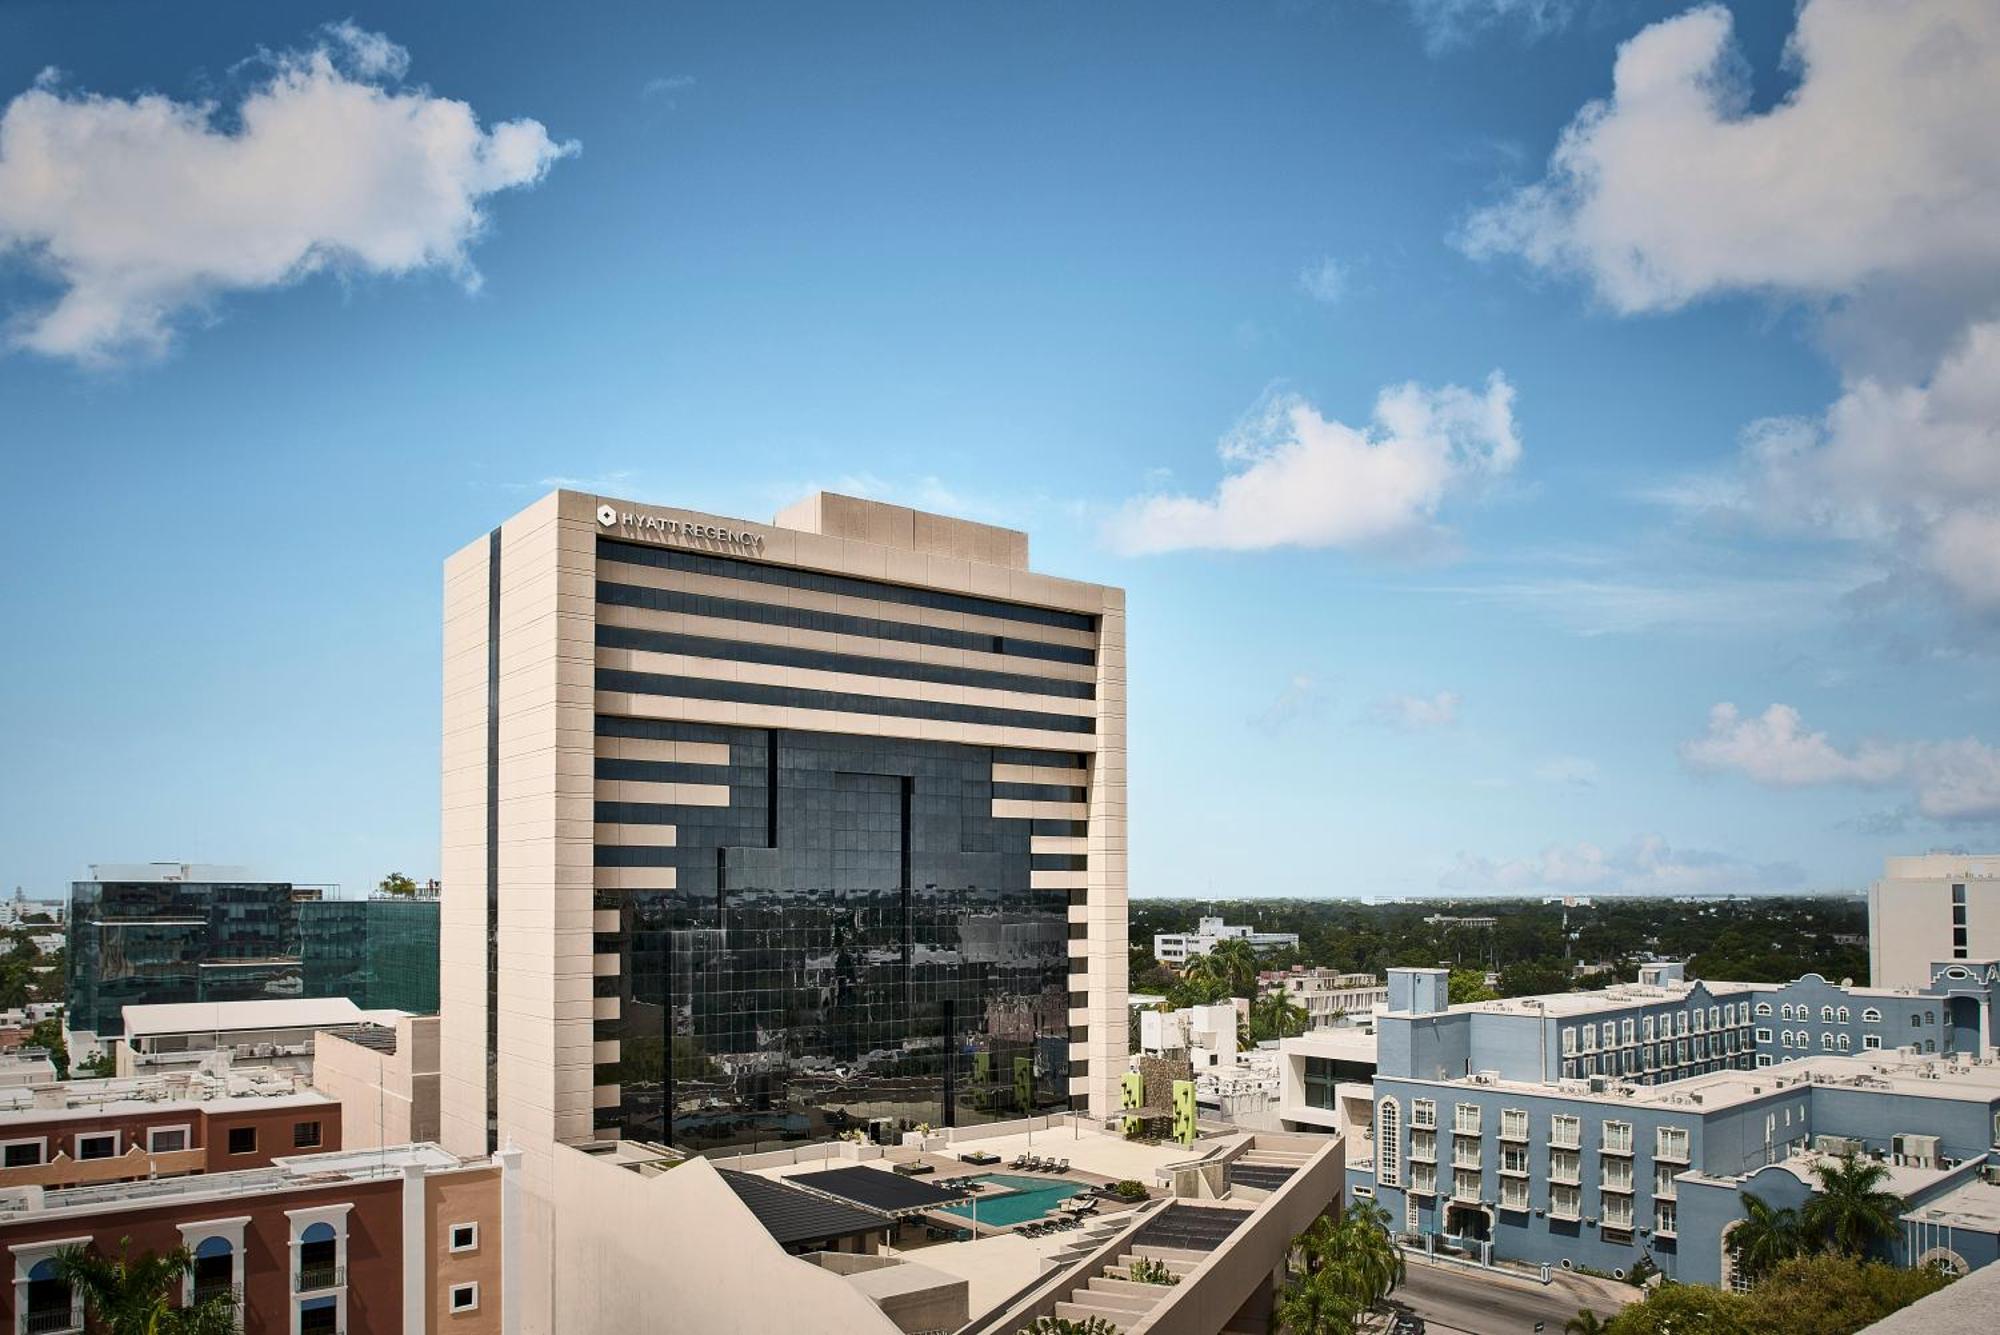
1281,1016
1764,1236
1851,1211
1585,1322
133,1296
1235,963
1315,1304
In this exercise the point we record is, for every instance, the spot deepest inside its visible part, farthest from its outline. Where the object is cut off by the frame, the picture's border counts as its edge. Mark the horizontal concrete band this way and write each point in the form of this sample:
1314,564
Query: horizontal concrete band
796,697
796,579
701,595
890,667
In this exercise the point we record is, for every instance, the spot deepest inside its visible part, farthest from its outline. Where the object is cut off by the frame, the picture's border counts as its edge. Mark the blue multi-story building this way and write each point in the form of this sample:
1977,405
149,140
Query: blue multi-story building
1595,1129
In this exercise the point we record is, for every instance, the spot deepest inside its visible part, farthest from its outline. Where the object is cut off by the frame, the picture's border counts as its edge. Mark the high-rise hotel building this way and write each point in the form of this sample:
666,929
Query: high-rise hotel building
753,833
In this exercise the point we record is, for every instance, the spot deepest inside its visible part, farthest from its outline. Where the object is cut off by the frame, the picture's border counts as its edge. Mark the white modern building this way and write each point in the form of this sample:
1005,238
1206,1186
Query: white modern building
1206,1035
1326,996
1326,1080
1177,948
754,831
1937,906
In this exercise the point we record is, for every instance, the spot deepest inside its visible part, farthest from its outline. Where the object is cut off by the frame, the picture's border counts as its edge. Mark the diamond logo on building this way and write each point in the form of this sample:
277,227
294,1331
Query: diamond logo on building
606,516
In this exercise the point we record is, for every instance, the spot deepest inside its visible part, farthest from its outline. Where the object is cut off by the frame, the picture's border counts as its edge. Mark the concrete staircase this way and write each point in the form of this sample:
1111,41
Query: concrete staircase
1117,1297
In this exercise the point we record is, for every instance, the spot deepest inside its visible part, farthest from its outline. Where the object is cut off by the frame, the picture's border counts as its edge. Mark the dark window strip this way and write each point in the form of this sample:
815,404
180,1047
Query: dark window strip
838,623
790,577
1007,755
788,655
1039,792
794,697
661,771
637,855
662,730
638,813
1061,829
1050,861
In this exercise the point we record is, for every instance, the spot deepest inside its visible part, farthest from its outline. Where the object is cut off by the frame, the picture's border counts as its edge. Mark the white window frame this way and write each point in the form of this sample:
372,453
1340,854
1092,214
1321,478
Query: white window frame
1763,1010
1423,1114
1871,1042
117,1144
1871,1016
1466,1119
1616,1138
1513,1124
1763,1036
187,1137
1565,1122
1671,1142
1666,1218
1514,1193
28,1255
1574,1208
452,1304
1388,1141
41,1144
451,1237
231,1231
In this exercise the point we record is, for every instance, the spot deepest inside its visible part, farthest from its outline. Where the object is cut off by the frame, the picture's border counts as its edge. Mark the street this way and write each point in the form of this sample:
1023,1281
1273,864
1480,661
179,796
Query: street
1479,1302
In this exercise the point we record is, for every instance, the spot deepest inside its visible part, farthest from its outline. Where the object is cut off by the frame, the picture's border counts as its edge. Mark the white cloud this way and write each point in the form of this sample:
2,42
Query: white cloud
1325,281
666,85
1955,780
1911,471
1871,194
144,210
1881,162
1297,479
1417,713
1451,23
1645,865
1575,771
1301,698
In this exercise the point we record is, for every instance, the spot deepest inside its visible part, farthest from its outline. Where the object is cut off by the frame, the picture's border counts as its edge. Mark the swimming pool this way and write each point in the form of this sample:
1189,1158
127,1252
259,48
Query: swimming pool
1010,1200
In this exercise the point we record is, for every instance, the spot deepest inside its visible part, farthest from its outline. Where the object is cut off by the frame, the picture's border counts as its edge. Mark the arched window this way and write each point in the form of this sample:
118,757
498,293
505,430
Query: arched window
1844,1015
1388,1144
214,1268
1845,1043
1930,1017
51,1306
1826,1014
1763,1010
1826,1042
1916,1020
1871,1016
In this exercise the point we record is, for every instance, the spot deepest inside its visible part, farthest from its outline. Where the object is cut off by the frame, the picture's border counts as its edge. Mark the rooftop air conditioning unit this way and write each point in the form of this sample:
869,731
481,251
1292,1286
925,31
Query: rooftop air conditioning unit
1836,1145
1913,1151
1597,1084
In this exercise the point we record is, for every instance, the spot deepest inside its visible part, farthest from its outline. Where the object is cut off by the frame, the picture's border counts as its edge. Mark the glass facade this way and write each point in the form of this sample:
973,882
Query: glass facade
852,936
153,942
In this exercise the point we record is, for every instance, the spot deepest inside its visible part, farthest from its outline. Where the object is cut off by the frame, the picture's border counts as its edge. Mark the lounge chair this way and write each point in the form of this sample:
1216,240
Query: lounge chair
1062,1165
1020,1161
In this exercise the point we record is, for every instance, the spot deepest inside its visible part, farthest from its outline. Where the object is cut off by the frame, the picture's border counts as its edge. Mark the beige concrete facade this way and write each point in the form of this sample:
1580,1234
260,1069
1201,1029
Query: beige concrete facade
520,752
385,1078
1915,920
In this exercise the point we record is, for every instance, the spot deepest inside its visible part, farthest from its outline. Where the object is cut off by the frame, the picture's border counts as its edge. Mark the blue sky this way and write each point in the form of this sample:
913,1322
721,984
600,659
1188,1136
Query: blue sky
1512,495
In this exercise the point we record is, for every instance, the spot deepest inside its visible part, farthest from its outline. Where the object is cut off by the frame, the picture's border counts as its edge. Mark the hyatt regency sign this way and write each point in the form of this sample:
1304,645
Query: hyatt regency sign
660,528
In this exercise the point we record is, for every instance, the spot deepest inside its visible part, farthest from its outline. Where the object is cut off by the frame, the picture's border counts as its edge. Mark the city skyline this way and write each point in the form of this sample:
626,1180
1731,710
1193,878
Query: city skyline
1497,509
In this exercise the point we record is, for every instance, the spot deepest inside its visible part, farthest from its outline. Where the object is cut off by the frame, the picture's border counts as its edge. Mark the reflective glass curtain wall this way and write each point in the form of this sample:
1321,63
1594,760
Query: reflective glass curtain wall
852,936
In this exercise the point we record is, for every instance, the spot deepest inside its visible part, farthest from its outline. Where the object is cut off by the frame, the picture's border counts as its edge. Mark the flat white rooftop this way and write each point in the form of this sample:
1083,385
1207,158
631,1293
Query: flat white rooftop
209,1017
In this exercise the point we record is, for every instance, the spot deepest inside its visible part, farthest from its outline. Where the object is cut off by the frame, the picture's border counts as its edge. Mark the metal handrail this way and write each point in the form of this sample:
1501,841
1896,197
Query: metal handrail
310,1278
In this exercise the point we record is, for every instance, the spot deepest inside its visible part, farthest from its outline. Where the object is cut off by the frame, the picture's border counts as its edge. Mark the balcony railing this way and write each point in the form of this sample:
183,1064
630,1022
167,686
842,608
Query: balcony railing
315,1277
207,1292
52,1322
1465,1191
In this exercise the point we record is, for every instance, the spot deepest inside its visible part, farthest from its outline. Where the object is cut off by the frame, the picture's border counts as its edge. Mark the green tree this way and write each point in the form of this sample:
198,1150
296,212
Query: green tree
1235,963
48,1035
1532,978
1851,1212
1316,1304
1469,985
135,1296
99,1067
395,883
1834,1295
1057,1325
1585,1322
1823,1294
1766,1236
1277,1015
